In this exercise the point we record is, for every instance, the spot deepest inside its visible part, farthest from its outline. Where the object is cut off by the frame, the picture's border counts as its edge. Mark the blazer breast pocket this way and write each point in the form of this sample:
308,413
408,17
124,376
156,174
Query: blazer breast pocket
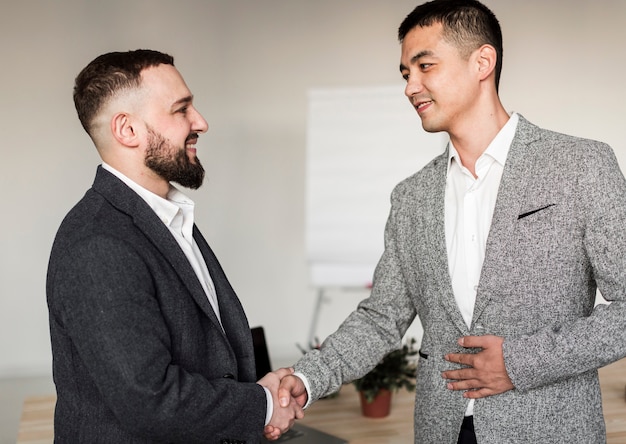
534,211
539,232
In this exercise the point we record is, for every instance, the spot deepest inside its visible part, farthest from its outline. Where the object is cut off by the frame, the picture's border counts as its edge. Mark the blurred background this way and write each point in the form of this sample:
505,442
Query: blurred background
251,65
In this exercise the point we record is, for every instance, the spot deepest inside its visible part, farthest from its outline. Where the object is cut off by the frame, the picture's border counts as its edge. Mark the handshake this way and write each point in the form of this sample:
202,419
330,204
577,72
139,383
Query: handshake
289,396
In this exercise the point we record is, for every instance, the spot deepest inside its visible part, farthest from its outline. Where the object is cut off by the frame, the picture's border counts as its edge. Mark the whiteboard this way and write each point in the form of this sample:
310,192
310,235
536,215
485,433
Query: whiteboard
360,143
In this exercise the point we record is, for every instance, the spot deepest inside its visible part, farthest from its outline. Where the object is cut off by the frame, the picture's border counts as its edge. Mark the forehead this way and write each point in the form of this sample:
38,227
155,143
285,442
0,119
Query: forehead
164,83
424,41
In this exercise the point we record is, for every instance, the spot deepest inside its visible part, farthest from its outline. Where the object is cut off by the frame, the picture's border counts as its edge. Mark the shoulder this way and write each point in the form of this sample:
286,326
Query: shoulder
554,143
93,214
93,233
424,179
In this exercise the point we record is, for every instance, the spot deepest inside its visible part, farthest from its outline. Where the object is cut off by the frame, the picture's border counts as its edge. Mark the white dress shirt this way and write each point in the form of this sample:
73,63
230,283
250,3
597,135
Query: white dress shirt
469,205
176,212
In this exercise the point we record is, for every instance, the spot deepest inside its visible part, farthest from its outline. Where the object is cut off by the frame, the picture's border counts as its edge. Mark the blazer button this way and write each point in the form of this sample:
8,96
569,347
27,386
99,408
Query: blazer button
229,376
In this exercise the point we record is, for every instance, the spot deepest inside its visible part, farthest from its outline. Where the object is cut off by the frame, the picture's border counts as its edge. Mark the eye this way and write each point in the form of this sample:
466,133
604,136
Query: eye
425,66
405,76
183,110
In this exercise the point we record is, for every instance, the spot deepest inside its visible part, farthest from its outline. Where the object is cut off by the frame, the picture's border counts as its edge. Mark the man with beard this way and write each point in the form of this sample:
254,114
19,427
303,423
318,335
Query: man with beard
149,341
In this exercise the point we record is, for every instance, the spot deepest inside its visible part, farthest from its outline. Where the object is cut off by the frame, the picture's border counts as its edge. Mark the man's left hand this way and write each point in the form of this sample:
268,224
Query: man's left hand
486,373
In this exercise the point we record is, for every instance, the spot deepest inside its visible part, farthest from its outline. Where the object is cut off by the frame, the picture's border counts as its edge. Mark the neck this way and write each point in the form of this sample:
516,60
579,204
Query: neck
153,182
472,137
141,175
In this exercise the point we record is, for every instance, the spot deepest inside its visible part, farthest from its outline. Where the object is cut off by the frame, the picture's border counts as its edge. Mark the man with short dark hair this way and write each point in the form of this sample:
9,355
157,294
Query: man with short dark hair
150,342
499,246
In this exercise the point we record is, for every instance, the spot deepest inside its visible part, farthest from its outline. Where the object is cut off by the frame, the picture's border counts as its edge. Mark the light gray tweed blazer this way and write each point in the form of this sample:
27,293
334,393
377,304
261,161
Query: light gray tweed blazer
558,233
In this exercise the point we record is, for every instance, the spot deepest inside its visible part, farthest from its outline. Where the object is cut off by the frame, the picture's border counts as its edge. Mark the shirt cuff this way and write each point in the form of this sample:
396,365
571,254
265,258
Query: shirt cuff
305,381
270,405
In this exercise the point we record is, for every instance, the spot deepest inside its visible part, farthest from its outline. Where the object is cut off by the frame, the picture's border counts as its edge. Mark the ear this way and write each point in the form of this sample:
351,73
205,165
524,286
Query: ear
124,130
487,58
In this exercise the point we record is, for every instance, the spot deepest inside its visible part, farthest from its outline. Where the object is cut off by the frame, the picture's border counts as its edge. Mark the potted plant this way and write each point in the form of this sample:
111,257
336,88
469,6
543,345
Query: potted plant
395,371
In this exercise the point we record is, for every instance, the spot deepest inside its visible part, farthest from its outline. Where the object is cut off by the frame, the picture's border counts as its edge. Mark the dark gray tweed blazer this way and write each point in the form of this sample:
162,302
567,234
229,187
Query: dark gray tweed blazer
138,353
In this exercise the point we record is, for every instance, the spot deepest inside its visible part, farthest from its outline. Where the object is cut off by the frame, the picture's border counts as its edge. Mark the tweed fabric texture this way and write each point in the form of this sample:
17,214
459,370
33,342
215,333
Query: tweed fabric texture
138,353
557,235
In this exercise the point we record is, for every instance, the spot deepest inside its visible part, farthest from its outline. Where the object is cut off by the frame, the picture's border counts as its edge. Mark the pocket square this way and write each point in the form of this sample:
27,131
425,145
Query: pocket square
528,213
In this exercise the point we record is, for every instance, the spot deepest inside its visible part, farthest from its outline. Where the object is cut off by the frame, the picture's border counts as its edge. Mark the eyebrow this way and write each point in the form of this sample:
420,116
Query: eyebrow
183,101
416,57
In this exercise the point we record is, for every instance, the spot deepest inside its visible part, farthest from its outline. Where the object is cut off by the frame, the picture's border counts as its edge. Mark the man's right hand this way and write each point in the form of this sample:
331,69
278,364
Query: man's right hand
292,388
283,416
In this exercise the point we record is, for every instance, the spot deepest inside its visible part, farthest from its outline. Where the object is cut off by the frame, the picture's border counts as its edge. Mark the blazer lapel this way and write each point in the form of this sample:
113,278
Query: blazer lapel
435,239
517,173
147,221
234,321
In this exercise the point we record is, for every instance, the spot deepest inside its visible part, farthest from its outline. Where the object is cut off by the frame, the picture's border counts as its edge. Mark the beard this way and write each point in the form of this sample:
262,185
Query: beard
171,163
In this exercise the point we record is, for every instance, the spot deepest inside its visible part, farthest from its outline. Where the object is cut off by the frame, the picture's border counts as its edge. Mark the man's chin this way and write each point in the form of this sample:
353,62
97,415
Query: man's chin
191,156
191,183
191,186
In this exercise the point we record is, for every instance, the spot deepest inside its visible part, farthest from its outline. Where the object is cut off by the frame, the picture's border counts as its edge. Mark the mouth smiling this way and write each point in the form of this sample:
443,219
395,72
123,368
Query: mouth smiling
190,142
420,106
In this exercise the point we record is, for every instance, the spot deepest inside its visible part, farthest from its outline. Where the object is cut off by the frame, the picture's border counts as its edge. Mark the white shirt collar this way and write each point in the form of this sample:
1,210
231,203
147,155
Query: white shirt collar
166,209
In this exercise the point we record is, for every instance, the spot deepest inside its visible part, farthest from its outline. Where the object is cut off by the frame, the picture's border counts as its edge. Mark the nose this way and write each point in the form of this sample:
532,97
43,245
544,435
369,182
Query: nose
413,85
199,125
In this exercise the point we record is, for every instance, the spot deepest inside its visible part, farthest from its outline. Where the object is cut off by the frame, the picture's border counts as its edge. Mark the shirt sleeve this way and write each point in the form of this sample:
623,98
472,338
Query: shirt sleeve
270,405
305,381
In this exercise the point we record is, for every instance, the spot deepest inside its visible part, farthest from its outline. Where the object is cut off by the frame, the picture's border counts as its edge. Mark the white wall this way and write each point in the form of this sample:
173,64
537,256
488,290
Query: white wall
250,64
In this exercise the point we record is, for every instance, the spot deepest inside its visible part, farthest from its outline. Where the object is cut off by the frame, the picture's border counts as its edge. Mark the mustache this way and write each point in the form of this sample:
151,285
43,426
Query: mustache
192,136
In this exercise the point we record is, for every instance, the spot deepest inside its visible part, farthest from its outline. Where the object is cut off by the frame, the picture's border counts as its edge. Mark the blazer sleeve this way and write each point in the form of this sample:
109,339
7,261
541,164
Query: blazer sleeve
102,296
374,329
588,342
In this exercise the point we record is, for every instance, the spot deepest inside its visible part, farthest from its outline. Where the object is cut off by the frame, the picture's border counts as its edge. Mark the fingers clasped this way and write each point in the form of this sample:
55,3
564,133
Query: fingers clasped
286,407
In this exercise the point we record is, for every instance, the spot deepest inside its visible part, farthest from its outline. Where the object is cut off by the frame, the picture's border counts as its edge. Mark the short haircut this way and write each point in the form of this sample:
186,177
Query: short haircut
109,74
467,24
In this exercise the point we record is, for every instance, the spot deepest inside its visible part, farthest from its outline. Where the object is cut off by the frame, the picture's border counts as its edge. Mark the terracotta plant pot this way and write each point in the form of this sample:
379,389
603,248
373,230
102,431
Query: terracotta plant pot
379,407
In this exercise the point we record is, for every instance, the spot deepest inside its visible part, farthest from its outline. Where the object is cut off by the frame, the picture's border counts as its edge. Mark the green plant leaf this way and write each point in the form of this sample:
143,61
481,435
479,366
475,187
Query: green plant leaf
395,371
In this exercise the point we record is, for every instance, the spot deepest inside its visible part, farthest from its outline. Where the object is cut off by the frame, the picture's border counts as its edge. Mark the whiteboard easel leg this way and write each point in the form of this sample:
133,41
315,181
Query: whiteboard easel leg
315,318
